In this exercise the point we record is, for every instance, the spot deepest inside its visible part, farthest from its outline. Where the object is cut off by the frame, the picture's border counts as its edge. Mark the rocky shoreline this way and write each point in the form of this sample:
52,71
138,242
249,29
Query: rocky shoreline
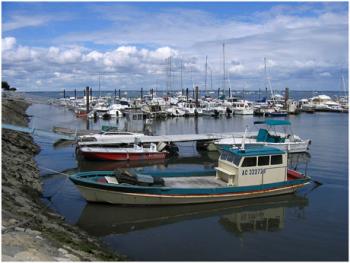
30,230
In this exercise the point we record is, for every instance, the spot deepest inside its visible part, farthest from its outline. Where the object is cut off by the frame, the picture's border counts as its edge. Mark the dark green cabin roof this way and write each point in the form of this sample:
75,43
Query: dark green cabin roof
254,151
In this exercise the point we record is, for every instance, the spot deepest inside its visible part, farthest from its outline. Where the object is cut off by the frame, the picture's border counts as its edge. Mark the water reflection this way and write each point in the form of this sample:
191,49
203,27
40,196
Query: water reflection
238,217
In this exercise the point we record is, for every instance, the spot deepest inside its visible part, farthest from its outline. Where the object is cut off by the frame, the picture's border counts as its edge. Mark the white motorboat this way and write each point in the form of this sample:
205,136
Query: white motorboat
242,107
269,137
107,137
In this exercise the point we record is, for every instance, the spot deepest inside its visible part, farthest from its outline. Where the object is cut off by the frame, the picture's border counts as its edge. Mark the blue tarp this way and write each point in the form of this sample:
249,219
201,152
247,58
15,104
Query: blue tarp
273,122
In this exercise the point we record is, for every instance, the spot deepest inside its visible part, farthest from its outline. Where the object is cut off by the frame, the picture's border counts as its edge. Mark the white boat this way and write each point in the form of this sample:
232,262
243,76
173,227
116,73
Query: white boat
175,112
212,108
306,106
268,137
135,153
325,103
242,107
107,137
190,109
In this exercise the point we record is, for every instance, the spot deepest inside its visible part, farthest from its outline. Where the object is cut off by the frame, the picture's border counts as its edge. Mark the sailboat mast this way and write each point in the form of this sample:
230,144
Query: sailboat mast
99,85
181,75
265,78
206,71
223,55
170,86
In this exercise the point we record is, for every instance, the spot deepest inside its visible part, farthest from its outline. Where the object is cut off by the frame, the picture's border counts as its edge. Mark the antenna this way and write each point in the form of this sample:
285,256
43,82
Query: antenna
243,140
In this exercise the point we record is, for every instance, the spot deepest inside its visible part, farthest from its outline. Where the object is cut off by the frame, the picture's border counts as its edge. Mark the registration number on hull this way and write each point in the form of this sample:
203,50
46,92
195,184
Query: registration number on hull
256,171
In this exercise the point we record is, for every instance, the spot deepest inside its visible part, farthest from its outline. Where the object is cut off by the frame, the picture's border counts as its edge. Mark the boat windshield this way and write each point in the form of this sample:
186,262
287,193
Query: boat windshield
227,156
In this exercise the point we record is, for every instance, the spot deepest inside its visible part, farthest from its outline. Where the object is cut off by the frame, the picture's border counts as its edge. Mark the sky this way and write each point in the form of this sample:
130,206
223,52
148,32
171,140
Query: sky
50,46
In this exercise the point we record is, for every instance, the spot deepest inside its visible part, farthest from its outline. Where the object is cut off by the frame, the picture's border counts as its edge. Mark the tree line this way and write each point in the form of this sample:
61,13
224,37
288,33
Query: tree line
6,86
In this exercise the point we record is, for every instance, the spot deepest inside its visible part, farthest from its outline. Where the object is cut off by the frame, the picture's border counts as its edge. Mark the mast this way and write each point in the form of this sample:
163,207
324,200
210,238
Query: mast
343,84
99,85
265,78
223,55
191,77
206,71
170,86
211,79
181,74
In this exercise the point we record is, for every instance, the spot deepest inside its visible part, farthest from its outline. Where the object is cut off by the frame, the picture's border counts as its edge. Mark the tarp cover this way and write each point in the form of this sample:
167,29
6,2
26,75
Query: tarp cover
273,122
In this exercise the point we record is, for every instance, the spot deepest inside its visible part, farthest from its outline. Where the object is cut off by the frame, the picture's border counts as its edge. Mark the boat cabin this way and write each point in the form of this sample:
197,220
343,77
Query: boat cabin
270,134
252,166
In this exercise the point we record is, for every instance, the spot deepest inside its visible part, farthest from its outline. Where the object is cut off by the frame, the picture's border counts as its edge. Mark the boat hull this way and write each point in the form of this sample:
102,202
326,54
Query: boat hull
115,197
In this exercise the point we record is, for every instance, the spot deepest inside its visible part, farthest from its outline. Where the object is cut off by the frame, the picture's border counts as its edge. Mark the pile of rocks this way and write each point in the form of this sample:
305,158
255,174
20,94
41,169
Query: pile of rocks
30,231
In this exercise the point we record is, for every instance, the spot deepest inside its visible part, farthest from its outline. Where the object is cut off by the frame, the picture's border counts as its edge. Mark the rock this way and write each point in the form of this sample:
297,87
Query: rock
22,203
62,250
72,257
13,221
32,232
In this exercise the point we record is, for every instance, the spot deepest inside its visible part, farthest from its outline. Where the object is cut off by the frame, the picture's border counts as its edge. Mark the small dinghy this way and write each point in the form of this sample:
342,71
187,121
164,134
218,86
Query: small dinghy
241,174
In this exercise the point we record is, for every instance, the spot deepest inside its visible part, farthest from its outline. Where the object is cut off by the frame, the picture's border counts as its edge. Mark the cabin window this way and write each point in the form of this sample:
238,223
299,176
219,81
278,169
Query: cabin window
249,161
236,159
225,156
134,117
263,160
276,159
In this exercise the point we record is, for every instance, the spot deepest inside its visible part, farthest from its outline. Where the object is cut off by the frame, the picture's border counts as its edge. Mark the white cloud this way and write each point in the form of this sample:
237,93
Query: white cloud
71,55
8,43
295,45
20,21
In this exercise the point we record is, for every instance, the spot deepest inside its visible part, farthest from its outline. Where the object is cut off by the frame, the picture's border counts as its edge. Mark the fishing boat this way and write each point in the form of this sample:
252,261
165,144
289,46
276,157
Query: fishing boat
270,136
241,174
123,154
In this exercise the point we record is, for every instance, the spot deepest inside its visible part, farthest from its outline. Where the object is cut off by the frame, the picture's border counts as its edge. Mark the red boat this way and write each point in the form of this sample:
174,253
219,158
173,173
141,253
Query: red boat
123,154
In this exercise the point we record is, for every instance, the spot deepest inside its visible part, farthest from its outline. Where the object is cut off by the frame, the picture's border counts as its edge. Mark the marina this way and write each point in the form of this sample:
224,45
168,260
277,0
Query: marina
175,131
190,159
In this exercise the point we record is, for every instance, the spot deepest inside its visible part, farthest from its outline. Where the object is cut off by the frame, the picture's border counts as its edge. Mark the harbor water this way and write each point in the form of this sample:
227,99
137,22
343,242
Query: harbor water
310,225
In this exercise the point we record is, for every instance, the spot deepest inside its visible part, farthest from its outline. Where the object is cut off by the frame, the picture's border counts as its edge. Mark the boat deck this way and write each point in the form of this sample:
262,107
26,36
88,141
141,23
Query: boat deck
194,182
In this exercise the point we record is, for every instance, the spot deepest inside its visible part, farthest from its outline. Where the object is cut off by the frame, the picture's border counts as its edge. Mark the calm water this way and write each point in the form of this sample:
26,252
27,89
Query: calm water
311,225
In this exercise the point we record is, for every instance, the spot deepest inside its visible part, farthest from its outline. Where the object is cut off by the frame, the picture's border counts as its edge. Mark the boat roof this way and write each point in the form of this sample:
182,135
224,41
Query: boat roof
272,122
253,151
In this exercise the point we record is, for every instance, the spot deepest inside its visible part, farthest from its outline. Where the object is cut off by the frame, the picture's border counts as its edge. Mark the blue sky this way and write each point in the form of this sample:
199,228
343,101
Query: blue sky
51,46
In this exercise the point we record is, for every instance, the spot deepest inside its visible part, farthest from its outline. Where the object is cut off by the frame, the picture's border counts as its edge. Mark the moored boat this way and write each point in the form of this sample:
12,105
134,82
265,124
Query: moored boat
123,154
241,174
268,136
